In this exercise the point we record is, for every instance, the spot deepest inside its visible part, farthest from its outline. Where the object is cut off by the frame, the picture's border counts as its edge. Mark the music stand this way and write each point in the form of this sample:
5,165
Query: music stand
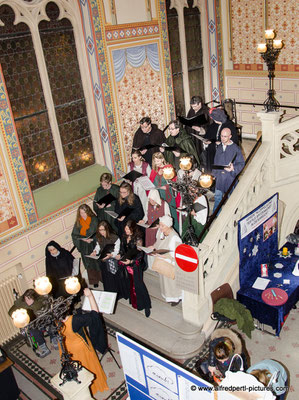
109,350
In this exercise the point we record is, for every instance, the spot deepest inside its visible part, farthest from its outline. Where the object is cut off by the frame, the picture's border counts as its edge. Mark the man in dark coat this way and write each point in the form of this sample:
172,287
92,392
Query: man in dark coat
182,142
198,108
212,136
148,134
227,153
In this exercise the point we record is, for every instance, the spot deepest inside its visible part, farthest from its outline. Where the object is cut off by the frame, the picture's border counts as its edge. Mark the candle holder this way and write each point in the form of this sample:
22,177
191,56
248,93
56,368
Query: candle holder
270,52
50,318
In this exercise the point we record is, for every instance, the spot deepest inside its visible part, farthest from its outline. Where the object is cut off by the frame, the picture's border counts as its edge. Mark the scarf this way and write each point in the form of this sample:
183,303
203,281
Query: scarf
85,224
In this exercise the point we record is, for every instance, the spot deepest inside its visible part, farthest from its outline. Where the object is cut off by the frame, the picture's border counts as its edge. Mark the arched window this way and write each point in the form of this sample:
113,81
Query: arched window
40,66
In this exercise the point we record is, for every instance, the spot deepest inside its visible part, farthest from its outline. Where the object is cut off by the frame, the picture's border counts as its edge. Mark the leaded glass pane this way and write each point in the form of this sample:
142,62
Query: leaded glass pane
18,61
64,75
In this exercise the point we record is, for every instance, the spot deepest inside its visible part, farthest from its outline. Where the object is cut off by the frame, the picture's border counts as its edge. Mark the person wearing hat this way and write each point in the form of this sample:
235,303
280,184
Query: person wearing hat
212,136
155,208
168,239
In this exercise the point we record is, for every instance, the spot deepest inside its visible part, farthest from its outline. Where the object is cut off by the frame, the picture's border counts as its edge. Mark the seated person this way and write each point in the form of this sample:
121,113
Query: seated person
272,373
59,266
221,351
106,187
81,347
33,302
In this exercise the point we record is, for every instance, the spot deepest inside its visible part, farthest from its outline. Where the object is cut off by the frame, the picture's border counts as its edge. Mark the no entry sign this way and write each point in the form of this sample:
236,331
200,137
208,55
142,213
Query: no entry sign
186,257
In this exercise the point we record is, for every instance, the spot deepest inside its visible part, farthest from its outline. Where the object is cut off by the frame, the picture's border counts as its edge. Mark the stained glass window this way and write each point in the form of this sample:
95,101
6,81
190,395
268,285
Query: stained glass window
24,85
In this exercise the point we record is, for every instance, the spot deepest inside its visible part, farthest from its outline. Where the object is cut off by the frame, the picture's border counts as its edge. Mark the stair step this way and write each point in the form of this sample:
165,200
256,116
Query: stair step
165,330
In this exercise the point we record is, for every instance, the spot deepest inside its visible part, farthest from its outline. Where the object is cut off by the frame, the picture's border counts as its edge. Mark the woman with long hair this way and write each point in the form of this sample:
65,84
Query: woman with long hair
132,260
165,190
83,232
107,244
128,206
138,164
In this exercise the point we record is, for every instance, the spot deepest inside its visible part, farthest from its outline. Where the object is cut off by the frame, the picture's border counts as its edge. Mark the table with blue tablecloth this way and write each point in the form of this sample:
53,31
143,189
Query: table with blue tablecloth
273,316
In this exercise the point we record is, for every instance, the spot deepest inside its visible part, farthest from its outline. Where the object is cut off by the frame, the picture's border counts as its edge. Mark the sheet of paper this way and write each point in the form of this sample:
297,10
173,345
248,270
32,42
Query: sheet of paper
131,362
93,257
260,283
104,300
111,213
157,391
145,249
143,225
160,374
146,183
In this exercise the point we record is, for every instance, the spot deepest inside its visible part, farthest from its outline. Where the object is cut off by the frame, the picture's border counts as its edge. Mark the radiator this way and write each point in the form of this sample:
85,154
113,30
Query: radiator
7,328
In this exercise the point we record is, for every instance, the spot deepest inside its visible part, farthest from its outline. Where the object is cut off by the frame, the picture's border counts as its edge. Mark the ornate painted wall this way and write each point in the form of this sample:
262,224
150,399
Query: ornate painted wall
247,81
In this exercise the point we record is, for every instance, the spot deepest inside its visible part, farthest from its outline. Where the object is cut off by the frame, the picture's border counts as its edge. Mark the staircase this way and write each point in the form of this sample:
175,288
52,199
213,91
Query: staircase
164,331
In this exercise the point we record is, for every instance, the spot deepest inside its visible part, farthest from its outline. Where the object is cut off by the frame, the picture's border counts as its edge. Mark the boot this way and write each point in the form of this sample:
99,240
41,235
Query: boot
42,351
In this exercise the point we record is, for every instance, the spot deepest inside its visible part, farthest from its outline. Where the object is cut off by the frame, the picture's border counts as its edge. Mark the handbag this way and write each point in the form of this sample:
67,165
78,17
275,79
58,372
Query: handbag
163,267
112,265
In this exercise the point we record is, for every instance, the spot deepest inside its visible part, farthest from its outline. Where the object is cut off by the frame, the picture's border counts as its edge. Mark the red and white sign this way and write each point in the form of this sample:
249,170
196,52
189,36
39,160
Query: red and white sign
186,257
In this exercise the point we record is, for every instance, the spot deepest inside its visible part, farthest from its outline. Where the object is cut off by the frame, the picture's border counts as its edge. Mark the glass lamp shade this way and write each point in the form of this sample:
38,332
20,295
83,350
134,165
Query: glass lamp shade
168,172
43,285
269,34
185,163
72,285
20,318
206,180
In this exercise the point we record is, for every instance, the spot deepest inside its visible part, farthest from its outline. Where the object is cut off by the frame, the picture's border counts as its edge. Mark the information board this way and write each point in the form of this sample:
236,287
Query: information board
257,239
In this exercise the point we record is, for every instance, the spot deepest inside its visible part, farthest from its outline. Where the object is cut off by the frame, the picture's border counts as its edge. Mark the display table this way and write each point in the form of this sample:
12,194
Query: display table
7,381
252,298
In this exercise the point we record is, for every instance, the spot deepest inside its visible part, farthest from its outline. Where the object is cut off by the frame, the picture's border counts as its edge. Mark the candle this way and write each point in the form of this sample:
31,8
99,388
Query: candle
269,34
168,172
72,285
20,318
277,44
43,285
205,180
262,48
284,251
185,163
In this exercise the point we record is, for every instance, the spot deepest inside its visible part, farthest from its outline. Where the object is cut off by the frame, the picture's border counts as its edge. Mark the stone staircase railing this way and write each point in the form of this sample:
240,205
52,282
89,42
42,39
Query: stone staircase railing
275,164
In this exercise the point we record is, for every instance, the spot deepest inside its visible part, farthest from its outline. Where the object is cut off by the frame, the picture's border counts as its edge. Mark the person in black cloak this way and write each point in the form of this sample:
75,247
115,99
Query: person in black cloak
59,266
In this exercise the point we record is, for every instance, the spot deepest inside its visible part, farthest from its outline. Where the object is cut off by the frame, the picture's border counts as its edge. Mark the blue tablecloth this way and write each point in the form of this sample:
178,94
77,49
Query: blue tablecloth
252,298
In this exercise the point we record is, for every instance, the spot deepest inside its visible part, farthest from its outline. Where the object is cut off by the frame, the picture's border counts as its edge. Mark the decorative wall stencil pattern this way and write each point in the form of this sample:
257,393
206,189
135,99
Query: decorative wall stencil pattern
247,23
284,19
9,217
95,46
15,155
140,94
215,48
125,33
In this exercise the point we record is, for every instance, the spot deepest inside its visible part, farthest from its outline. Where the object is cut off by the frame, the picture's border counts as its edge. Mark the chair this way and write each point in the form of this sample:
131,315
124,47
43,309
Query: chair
222,292
229,106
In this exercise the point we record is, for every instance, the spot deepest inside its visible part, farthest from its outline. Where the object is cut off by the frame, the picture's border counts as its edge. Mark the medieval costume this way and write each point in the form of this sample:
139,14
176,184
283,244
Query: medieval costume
81,348
155,136
86,229
100,212
58,268
136,212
